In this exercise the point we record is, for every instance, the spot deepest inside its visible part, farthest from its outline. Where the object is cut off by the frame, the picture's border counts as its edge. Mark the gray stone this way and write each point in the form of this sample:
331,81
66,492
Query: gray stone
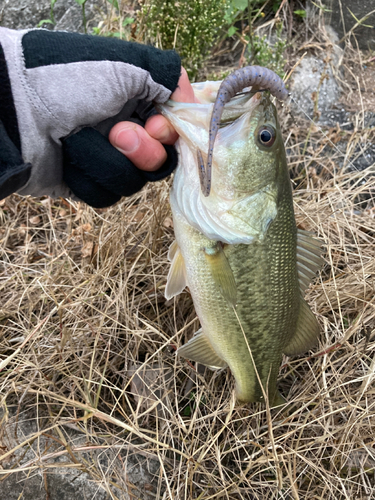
57,485
21,14
314,77
369,119
341,18
360,159
72,19
48,471
336,116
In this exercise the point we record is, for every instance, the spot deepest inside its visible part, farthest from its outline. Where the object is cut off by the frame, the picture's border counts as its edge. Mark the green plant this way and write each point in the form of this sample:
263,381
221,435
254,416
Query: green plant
265,53
119,23
192,27
233,14
84,21
245,10
322,7
259,48
114,3
51,20
194,401
124,34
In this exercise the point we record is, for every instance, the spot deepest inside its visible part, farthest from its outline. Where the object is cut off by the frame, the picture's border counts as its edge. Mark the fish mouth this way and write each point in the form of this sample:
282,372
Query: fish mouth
259,79
253,99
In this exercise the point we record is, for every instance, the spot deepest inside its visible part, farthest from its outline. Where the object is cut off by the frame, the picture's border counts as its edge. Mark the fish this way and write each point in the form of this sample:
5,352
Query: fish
238,248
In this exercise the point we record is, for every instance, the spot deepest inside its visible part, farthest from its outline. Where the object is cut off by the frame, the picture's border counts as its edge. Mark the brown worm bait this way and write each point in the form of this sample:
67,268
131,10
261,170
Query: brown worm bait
257,78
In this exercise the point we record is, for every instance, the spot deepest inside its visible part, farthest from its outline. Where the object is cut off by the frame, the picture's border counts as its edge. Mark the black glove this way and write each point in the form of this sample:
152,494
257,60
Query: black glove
60,94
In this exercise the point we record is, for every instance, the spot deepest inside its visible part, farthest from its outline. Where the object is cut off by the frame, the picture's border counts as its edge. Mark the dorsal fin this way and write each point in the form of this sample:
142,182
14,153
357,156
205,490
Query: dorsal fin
176,280
309,259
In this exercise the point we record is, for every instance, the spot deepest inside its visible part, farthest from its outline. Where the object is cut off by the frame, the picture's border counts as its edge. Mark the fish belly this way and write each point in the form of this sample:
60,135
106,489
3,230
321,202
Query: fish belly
249,338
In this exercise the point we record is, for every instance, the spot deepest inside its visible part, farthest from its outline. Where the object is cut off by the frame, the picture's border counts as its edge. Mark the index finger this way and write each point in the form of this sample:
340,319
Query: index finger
159,127
184,91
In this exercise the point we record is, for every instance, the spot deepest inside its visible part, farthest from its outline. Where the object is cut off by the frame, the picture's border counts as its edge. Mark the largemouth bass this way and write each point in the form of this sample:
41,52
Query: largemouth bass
238,248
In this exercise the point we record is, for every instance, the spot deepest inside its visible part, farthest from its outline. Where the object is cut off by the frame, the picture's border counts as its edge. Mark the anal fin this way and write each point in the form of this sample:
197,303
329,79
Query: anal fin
278,400
199,349
307,332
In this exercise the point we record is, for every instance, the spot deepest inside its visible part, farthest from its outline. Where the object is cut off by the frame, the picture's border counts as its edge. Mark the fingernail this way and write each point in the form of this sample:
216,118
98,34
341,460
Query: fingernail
127,140
164,133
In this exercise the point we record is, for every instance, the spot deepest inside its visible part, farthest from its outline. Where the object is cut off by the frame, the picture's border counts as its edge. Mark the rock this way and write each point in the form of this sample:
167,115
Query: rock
49,470
60,484
21,14
342,17
337,115
360,159
149,384
314,78
72,19
369,119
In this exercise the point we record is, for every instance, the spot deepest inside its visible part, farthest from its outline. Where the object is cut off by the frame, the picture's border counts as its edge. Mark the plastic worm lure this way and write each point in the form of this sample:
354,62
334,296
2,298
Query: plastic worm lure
259,79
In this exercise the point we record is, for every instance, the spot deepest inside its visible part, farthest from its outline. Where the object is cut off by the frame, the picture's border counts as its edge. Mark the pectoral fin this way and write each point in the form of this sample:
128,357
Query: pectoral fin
172,250
176,280
199,349
222,272
306,336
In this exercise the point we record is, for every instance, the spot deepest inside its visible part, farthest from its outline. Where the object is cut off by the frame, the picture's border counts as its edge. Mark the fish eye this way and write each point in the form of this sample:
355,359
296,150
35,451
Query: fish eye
266,135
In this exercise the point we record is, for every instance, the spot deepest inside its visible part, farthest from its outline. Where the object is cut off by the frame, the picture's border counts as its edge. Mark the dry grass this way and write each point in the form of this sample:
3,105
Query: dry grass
83,312
87,346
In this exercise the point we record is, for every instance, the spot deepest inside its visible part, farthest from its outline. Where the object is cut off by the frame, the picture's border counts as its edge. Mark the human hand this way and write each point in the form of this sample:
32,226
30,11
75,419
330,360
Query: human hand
143,145
61,94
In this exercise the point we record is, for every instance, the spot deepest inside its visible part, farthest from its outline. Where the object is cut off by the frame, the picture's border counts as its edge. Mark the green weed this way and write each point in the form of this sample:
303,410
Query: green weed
52,20
123,34
260,50
192,27
84,21
264,52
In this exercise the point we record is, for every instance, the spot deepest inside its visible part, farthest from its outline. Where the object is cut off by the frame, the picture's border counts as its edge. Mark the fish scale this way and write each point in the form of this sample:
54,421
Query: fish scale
262,277
272,267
